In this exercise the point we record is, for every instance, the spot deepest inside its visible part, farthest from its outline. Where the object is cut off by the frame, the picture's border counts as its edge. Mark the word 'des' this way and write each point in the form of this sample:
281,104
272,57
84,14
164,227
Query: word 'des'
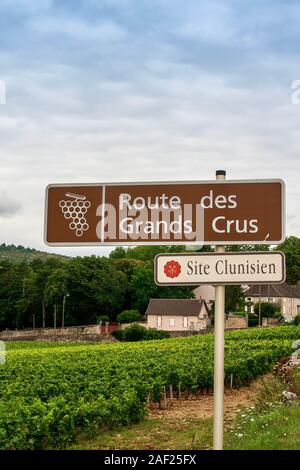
217,212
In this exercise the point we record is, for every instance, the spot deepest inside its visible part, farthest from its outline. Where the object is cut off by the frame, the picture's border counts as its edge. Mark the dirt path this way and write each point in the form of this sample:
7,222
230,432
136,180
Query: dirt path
202,406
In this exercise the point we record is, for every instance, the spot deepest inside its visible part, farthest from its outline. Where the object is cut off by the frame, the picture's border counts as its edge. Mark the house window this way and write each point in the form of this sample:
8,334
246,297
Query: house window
172,321
159,321
185,322
298,309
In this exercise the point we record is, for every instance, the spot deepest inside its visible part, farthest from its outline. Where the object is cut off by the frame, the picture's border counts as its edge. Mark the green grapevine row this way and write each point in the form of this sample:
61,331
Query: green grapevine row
50,392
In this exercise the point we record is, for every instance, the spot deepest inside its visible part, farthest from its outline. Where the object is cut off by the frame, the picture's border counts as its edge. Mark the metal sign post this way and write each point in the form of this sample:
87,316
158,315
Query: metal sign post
219,354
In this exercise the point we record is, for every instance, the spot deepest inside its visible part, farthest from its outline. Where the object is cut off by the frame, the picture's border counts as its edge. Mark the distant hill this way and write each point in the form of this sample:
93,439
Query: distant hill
19,253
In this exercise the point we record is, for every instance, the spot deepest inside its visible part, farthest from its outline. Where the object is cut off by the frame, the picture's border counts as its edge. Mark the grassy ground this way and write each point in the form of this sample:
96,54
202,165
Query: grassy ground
154,433
271,424
264,422
275,429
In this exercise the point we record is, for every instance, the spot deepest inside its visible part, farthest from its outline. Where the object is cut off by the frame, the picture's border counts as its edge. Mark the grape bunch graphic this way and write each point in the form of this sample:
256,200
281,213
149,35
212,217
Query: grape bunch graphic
74,209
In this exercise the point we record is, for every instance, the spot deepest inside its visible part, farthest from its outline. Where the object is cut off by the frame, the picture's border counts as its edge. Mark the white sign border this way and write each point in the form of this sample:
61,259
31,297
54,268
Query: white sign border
170,243
221,255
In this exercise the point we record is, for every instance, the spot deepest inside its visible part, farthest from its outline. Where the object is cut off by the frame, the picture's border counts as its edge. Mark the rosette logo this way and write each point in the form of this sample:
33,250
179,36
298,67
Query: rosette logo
172,269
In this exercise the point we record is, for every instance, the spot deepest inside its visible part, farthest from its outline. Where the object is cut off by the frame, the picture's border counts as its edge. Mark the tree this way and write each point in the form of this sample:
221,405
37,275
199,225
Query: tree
291,248
234,299
267,309
118,253
127,267
11,291
95,286
55,290
22,307
145,252
137,332
129,316
103,318
35,286
143,288
261,247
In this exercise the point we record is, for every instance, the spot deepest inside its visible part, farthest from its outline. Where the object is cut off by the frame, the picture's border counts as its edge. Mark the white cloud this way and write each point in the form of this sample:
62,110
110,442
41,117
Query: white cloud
214,22
146,108
8,206
74,28
28,6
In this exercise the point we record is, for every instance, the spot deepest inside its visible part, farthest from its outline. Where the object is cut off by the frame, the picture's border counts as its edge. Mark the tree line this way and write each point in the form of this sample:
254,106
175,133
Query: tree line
85,288
34,293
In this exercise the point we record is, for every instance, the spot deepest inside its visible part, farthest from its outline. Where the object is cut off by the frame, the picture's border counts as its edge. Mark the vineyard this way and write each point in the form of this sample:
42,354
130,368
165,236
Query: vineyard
49,392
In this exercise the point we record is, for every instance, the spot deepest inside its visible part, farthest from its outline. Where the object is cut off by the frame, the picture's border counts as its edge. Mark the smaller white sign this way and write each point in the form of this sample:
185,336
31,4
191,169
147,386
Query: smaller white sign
219,268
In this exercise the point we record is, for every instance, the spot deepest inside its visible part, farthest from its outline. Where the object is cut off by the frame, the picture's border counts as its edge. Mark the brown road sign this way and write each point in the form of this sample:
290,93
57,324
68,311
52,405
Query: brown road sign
171,213
180,269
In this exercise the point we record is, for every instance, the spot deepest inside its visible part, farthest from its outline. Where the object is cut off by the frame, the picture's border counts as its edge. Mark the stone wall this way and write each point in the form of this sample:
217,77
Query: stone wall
269,321
141,323
89,333
235,322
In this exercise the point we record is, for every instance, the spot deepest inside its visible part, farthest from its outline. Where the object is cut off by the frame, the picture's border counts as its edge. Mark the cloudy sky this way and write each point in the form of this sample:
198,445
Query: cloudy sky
134,90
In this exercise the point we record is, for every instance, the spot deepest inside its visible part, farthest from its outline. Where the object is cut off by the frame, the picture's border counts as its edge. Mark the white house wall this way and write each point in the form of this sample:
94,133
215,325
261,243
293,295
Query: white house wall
289,307
178,326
